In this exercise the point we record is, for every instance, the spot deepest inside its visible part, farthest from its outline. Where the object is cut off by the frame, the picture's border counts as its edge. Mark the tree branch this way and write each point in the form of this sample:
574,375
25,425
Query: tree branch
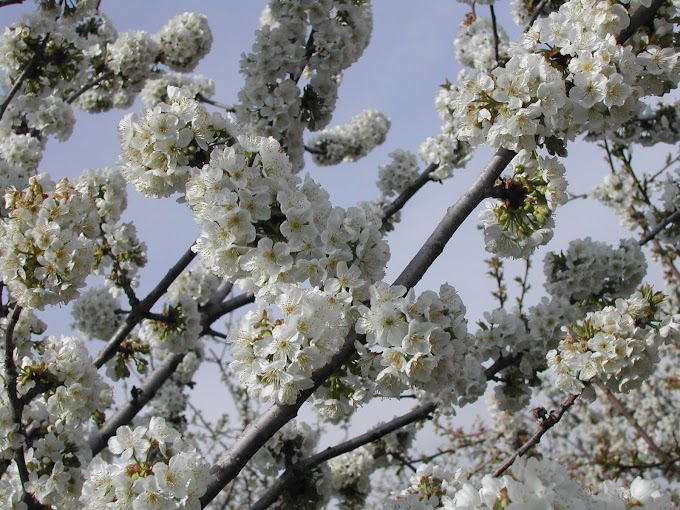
399,202
649,236
70,99
546,424
293,472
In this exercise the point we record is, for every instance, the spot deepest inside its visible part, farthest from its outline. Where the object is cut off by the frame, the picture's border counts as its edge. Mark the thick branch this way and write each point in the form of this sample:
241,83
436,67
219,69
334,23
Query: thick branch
140,311
546,424
641,17
454,218
304,466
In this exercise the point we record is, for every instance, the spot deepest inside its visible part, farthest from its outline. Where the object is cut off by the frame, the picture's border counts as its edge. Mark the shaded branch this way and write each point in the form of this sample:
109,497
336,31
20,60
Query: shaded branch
650,235
70,99
203,99
294,472
30,66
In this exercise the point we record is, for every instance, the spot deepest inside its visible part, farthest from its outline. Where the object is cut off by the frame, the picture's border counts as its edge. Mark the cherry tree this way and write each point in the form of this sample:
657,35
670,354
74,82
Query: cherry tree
285,295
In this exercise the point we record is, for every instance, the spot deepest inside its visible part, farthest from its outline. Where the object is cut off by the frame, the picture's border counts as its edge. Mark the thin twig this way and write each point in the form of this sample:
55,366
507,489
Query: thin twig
618,405
203,99
399,202
70,99
649,236
546,424
535,14
494,26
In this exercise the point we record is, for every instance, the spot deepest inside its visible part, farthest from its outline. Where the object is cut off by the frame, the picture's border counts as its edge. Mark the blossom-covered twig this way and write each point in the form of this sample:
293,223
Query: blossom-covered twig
649,236
108,74
546,423
139,312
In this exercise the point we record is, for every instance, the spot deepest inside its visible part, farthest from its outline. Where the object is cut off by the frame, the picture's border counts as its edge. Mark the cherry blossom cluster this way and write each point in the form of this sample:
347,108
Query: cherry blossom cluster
77,58
274,358
419,343
314,39
160,148
617,191
350,477
156,90
119,254
521,220
475,46
351,141
617,344
567,76
394,177
590,270
654,124
152,467
184,40
445,151
260,225
70,392
528,336
96,313
523,10
47,247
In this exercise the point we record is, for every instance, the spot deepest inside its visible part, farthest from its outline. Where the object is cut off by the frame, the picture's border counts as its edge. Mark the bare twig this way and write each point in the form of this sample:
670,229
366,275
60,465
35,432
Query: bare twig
494,26
70,99
535,14
203,99
546,424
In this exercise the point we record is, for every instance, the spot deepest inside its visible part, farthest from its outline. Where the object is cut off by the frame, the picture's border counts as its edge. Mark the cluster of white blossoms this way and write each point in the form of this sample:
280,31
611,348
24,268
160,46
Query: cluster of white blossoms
419,343
198,282
176,330
259,224
350,477
445,151
590,270
118,254
156,90
618,344
96,313
63,391
521,220
531,483
395,177
475,46
152,467
47,242
567,76
160,148
351,141
274,357
528,335
184,40
78,59
653,125
617,191
309,41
